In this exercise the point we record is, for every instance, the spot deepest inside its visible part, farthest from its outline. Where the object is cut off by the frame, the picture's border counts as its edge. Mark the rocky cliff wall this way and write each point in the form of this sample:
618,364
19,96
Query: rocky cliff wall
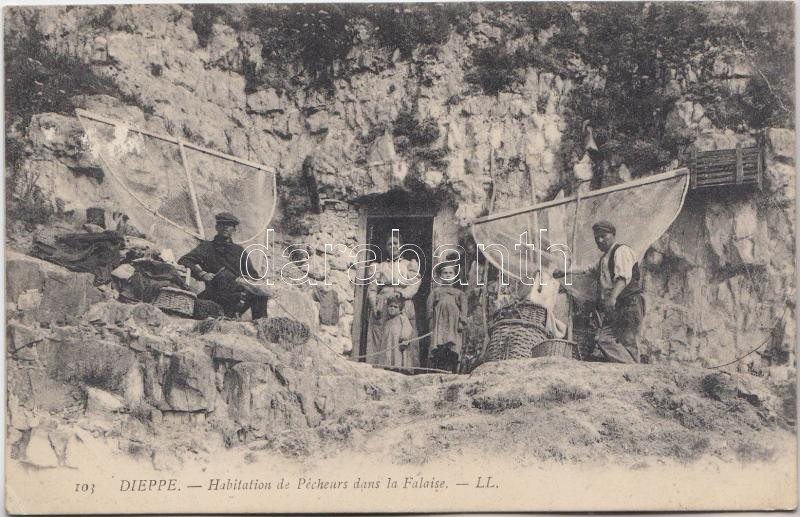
717,282
722,280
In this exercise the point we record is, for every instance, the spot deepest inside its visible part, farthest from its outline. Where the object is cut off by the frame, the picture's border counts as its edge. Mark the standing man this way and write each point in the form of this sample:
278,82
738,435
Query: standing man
619,304
220,263
620,300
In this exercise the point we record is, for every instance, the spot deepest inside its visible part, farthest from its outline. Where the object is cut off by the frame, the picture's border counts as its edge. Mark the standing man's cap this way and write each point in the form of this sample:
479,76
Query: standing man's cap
226,218
604,226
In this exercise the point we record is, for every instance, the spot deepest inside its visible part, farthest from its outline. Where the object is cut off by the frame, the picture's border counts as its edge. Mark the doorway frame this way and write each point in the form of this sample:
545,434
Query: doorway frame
366,212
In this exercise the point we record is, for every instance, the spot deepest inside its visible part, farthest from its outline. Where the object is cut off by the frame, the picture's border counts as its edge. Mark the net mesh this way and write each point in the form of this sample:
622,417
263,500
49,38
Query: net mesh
641,210
149,183
227,186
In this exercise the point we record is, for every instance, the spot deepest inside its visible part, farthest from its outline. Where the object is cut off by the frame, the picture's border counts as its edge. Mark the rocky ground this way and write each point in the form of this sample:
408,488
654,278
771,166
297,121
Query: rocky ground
132,383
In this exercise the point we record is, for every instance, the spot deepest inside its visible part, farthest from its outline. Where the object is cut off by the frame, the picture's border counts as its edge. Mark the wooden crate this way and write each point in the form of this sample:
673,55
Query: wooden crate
725,167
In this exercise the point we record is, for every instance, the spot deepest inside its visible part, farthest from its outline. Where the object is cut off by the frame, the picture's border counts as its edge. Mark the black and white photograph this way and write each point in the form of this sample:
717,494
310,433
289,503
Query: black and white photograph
400,257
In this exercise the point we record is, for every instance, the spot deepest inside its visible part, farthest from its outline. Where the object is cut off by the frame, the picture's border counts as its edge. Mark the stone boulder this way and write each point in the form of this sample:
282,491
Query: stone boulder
45,292
154,368
258,399
91,361
21,341
35,390
328,306
57,136
111,313
101,401
780,174
36,449
190,383
234,348
295,303
736,233
780,143
686,119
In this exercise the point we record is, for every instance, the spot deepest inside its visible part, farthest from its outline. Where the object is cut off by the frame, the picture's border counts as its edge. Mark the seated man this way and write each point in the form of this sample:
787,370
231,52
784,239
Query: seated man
620,303
220,264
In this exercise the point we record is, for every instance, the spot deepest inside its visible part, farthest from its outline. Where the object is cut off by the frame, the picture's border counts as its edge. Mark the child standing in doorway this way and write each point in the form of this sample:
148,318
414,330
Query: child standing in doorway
448,306
396,332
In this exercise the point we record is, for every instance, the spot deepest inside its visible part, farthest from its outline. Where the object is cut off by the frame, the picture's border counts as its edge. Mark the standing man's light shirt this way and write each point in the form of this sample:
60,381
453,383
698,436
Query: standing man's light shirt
624,260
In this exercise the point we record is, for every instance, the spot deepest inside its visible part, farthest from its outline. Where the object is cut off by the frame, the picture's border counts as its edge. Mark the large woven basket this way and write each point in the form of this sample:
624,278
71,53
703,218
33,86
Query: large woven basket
178,301
556,347
513,339
522,310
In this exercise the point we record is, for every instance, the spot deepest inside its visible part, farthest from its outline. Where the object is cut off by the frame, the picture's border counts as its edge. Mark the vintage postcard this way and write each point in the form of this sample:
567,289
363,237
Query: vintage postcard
400,257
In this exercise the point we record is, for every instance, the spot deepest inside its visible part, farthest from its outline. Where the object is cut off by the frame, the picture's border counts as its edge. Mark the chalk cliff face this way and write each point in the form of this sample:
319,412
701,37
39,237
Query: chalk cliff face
717,282
722,280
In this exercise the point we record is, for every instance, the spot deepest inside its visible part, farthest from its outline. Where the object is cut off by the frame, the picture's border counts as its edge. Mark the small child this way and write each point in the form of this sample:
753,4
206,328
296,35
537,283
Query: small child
447,305
396,330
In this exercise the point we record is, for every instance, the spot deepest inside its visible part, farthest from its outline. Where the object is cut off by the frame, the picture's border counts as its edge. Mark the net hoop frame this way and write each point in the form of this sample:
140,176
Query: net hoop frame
647,180
82,114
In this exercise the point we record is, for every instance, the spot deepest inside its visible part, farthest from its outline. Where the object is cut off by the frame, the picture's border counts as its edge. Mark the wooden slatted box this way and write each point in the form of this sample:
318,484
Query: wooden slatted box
724,167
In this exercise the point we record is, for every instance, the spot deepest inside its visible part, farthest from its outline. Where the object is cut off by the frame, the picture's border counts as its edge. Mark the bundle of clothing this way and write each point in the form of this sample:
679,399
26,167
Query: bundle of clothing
96,250
95,253
142,279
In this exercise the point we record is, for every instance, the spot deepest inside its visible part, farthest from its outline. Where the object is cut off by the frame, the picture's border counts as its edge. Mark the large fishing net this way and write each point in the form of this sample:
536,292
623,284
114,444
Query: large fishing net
171,190
642,210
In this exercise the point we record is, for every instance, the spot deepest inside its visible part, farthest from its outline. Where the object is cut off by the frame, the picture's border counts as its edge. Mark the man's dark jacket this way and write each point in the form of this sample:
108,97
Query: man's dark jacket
226,260
216,254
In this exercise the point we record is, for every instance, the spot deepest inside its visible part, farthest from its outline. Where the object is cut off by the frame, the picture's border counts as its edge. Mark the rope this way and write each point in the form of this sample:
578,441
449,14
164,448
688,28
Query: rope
485,287
573,251
388,367
766,340
742,357
364,356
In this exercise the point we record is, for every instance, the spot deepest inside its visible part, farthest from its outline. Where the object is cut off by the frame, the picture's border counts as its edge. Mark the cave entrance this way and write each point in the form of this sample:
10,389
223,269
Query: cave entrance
421,222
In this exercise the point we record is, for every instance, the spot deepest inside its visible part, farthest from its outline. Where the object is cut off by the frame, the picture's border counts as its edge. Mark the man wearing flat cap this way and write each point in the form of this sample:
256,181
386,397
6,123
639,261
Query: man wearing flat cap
619,296
620,303
220,263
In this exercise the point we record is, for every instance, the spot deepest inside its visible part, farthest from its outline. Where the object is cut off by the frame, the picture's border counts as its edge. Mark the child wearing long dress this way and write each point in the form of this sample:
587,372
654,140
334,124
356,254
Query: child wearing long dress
397,331
448,306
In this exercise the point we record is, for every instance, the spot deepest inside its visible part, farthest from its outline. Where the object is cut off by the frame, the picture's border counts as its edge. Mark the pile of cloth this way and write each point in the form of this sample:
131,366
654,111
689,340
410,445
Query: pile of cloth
96,249
122,260
96,253
141,279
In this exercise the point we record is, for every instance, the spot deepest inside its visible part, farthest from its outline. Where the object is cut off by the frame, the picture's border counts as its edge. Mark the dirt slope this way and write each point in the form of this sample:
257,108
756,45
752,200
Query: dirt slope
560,410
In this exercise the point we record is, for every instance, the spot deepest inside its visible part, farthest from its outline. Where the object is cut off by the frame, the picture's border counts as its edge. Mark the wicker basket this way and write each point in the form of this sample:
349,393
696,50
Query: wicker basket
522,310
178,301
513,339
556,347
